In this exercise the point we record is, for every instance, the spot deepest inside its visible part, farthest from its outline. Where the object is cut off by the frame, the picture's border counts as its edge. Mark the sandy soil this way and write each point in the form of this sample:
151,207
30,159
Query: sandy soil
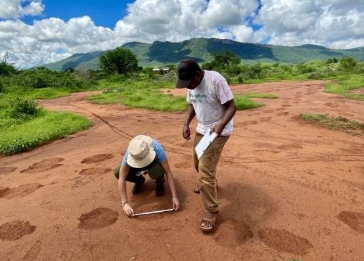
288,189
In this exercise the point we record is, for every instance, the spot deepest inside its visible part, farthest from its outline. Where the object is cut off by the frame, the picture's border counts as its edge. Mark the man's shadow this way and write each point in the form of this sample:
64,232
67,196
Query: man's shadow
244,204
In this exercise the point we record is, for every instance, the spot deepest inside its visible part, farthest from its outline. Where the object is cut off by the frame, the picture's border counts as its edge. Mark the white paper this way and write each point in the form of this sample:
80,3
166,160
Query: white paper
204,143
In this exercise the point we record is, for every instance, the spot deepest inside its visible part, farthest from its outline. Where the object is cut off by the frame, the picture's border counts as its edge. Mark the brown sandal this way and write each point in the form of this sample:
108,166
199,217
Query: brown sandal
208,224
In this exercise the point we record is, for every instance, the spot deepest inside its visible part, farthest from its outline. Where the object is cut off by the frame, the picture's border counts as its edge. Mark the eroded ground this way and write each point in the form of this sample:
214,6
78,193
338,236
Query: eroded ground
288,189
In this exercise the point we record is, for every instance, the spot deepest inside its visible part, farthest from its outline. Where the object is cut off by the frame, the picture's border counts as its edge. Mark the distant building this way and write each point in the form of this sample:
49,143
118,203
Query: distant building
163,70
166,70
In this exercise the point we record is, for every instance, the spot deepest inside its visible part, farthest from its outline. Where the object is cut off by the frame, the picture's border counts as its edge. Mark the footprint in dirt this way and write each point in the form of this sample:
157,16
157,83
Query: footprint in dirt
97,158
44,165
95,171
7,170
185,144
285,241
183,165
283,114
232,233
289,147
20,191
98,218
266,119
354,220
33,252
246,123
263,145
15,230
332,105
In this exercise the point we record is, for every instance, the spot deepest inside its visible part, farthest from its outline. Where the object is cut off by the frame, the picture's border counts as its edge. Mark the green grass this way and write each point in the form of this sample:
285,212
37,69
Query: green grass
261,95
21,136
346,83
244,103
153,99
335,123
142,99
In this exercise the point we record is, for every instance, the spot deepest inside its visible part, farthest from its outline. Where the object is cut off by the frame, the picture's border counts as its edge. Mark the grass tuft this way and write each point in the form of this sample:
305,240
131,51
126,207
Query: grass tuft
335,123
261,95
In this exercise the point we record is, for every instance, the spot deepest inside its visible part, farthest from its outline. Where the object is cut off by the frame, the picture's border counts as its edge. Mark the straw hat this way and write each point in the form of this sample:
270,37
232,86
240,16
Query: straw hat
141,152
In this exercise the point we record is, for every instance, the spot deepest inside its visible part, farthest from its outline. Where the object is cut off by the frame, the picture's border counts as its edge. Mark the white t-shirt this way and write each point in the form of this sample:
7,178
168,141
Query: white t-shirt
207,99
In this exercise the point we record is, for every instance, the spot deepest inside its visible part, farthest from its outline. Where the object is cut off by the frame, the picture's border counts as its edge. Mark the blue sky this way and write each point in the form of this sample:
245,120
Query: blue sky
104,13
35,32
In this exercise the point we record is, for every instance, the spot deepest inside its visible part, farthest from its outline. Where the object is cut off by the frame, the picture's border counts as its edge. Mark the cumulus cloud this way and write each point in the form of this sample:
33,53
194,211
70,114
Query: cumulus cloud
327,22
12,9
331,23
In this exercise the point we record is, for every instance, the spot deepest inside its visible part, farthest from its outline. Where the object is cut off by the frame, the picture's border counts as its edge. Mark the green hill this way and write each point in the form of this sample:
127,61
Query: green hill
160,53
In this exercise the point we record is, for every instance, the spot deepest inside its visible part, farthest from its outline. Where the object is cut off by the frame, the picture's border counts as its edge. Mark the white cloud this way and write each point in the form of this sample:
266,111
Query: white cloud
327,22
331,23
10,9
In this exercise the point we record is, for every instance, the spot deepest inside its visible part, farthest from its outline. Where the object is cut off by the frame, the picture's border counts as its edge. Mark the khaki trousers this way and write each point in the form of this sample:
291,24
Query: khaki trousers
206,167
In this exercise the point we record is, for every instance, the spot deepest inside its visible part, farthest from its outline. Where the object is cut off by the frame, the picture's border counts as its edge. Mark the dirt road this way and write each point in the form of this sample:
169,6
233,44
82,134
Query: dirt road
288,189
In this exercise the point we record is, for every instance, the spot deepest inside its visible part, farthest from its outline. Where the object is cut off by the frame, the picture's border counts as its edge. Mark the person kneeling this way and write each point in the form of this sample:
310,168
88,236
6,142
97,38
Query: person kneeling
144,156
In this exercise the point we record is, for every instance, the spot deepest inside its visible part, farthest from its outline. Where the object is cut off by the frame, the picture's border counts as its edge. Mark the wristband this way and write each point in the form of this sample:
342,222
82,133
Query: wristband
123,204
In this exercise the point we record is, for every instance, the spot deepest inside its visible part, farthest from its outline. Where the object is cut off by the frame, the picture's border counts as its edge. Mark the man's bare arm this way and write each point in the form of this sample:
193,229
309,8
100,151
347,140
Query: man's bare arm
230,110
186,126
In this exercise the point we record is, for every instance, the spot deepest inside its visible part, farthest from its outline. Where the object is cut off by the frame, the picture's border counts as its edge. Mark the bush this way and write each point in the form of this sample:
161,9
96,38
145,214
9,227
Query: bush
42,78
332,60
348,63
22,109
2,87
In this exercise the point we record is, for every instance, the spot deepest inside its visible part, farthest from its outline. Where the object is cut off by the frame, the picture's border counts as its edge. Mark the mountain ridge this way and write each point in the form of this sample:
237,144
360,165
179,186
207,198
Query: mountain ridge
161,53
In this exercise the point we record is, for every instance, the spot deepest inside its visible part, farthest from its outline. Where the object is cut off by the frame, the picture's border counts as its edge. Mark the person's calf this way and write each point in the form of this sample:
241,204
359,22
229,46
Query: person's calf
159,186
138,186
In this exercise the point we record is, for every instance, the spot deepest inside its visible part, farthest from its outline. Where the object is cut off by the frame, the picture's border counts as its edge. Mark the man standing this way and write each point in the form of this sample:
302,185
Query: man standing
212,102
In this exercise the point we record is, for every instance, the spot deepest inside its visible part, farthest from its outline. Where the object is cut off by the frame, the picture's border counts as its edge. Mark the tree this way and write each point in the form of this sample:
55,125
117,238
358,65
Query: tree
120,60
6,68
225,59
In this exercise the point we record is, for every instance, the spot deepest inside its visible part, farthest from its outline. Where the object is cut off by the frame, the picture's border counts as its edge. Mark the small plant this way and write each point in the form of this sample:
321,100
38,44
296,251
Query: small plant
22,109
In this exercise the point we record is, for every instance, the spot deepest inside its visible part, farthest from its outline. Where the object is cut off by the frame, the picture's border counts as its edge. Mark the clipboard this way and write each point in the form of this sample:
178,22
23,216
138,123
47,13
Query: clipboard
204,143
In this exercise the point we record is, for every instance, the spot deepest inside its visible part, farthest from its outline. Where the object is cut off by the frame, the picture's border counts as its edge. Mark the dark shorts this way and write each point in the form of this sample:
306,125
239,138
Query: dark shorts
155,171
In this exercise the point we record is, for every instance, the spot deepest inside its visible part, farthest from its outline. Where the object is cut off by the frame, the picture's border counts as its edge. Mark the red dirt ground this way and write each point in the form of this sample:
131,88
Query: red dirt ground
288,189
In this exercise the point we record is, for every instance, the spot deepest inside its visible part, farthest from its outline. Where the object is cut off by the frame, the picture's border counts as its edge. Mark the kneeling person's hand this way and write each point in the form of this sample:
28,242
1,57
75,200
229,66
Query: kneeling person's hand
175,203
128,210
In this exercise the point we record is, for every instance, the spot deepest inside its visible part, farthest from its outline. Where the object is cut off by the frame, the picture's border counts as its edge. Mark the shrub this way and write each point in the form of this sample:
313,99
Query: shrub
22,109
42,78
2,87
348,63
332,60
